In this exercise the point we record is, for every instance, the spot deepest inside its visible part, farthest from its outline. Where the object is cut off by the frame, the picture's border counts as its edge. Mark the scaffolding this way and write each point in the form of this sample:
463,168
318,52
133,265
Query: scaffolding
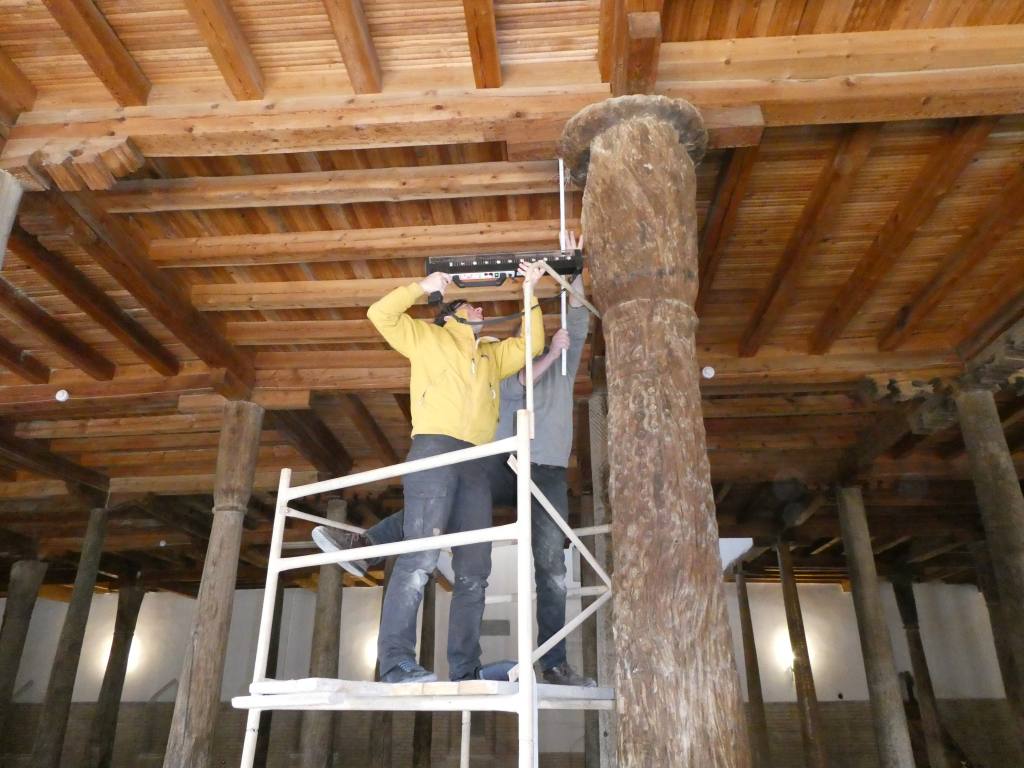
522,694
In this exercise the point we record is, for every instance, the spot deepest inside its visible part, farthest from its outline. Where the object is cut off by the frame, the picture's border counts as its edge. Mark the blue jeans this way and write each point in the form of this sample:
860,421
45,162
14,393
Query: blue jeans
443,500
548,545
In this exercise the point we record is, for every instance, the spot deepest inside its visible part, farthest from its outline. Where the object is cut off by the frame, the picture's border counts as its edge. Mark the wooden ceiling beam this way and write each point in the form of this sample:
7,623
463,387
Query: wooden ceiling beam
313,439
23,363
219,27
994,313
361,418
34,456
84,294
481,31
17,94
730,190
430,182
348,20
934,180
636,64
31,317
120,395
91,33
816,221
164,297
998,218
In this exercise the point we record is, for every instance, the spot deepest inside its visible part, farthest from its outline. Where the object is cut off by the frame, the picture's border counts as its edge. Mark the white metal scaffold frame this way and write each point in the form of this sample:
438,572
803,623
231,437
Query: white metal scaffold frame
521,694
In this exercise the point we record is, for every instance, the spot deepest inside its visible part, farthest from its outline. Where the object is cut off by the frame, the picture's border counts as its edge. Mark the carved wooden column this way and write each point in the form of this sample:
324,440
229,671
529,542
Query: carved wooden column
758,721
1002,509
423,722
678,692
100,752
318,726
892,736
198,701
22,589
53,719
923,690
815,755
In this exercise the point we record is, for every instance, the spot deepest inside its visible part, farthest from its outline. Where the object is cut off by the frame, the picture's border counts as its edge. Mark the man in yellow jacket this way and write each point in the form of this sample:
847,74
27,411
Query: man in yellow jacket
454,391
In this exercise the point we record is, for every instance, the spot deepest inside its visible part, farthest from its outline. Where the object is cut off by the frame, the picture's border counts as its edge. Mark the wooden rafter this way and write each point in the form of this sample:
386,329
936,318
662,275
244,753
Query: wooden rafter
731,188
817,219
312,438
91,33
219,27
348,20
994,313
933,182
17,93
636,64
84,294
36,457
23,363
995,222
481,31
357,413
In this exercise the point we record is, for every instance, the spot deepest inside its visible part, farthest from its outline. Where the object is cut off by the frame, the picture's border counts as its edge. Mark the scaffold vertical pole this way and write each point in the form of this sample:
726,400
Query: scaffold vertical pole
524,588
467,732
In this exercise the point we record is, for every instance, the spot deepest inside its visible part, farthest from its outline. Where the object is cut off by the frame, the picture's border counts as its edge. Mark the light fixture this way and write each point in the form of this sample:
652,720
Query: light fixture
707,372
134,656
61,395
782,650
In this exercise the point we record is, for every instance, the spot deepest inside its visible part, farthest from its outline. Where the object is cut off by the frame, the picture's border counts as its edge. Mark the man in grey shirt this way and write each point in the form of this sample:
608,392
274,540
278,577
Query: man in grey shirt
549,453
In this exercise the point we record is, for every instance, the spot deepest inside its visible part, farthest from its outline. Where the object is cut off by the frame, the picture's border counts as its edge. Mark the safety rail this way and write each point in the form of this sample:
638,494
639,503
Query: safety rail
522,694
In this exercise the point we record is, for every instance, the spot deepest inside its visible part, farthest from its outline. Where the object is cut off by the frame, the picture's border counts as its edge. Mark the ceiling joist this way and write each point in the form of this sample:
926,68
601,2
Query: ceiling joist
219,27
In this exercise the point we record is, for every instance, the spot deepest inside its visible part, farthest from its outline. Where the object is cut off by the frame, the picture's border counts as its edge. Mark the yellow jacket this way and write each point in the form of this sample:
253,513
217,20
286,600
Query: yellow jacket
453,387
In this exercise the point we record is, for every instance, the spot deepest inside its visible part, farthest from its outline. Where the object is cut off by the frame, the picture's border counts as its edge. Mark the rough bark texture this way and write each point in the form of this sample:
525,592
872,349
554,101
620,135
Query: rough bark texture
22,589
1002,511
811,729
53,719
758,720
892,736
318,726
423,724
678,698
197,703
104,727
923,690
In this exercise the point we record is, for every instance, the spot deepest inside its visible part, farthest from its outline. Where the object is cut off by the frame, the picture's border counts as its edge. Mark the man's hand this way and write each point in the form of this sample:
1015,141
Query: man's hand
531,271
437,281
571,243
559,342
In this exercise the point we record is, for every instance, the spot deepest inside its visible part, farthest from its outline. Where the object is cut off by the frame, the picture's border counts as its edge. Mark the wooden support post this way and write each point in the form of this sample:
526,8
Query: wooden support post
423,723
10,197
938,757
892,736
259,759
757,721
815,755
678,699
318,725
195,709
100,752
1004,655
1002,510
22,589
53,719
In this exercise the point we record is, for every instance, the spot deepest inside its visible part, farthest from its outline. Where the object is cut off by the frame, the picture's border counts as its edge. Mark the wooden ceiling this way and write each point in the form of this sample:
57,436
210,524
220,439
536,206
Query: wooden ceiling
215,192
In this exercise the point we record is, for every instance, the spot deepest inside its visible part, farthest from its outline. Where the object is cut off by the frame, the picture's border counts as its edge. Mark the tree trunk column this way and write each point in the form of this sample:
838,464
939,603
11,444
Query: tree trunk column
1002,509
22,589
678,692
104,727
815,755
198,700
53,719
923,690
892,736
318,726
758,721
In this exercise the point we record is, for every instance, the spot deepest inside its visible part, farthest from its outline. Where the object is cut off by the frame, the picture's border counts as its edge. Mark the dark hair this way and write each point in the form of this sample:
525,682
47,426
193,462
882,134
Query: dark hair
448,309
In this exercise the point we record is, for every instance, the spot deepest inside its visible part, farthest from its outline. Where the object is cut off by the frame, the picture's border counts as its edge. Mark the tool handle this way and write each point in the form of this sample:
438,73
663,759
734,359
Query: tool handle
489,283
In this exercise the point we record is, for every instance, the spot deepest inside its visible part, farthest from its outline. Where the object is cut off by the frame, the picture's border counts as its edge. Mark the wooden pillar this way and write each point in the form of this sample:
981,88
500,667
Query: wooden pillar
53,719
22,589
678,691
423,722
100,752
318,726
758,721
892,736
259,759
938,757
10,197
997,618
597,410
198,701
1002,510
815,755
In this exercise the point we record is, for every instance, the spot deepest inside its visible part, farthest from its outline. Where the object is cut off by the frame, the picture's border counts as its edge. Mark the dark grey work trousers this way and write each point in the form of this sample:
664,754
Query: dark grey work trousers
444,500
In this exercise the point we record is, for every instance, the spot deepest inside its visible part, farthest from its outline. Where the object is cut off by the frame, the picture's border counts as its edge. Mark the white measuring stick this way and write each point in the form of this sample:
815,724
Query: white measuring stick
563,328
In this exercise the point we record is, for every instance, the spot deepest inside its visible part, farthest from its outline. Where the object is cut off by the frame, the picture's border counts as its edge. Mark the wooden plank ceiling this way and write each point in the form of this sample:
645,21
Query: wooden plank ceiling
217,190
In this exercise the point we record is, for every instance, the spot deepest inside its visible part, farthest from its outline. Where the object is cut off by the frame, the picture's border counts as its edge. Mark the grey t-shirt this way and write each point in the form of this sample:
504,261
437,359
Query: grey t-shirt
552,399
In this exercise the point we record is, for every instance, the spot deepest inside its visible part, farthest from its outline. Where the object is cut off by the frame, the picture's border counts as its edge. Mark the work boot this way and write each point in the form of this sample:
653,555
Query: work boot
336,540
563,674
408,671
496,670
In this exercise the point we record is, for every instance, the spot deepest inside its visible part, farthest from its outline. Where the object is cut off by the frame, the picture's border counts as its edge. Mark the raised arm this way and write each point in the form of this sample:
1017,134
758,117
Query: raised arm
510,353
389,316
